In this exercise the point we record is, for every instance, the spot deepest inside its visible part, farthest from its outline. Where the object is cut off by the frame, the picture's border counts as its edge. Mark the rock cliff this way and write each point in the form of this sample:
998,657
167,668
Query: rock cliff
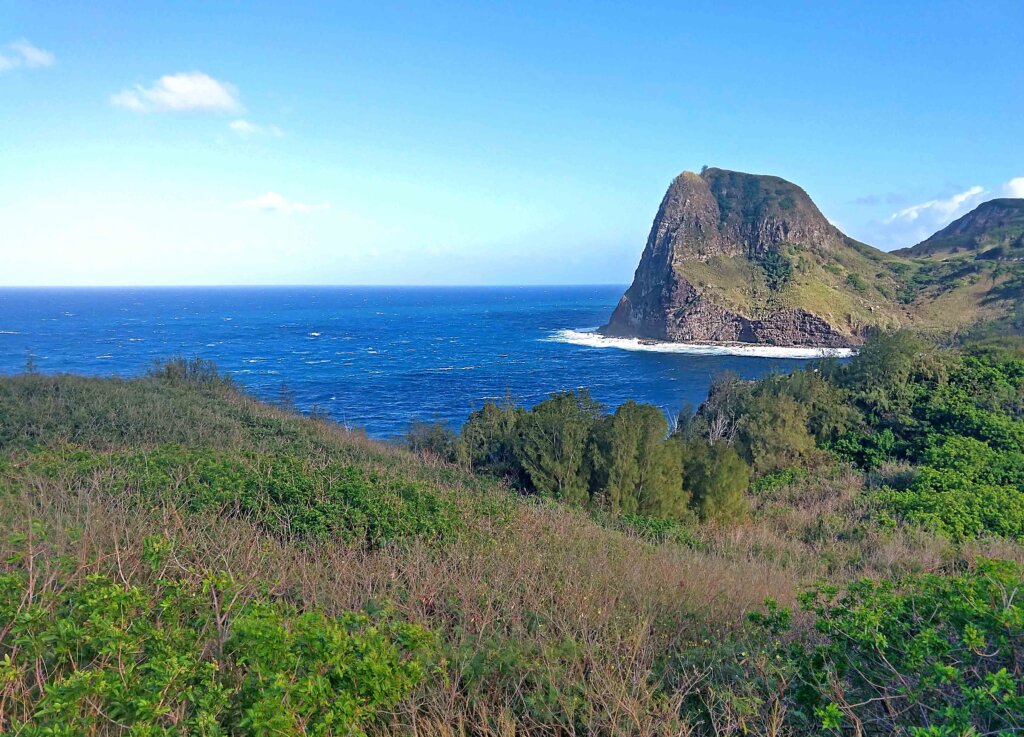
743,258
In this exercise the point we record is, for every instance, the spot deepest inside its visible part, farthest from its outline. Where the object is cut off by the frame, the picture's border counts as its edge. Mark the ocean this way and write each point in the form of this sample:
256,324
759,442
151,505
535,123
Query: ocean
370,357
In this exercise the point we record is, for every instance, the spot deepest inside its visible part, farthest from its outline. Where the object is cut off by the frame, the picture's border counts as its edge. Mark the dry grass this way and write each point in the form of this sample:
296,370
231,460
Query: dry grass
548,620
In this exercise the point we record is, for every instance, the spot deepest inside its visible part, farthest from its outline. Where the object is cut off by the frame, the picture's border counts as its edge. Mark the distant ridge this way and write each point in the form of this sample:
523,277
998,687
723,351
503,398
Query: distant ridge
996,224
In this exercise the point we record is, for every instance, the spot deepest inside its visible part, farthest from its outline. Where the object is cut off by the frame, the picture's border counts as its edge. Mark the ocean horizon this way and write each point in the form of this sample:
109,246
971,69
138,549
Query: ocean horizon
371,357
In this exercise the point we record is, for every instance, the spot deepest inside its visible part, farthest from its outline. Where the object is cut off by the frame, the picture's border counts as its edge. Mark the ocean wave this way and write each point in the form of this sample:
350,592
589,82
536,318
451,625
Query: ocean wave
592,339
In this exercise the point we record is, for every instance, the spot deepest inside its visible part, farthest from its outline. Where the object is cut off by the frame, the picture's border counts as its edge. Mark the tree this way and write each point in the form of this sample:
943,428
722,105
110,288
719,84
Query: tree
772,433
490,442
717,478
554,441
635,469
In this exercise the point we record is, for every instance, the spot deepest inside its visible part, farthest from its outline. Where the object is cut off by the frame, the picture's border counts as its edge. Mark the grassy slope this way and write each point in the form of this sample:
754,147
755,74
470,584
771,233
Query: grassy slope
947,291
547,617
818,285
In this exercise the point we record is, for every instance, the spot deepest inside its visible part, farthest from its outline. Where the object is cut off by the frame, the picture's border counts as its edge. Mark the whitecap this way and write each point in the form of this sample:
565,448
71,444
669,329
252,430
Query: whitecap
592,339
314,335
9,332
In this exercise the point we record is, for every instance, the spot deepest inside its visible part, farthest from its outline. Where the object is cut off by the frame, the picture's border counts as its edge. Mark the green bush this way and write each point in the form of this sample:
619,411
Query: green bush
554,437
717,477
924,655
433,438
98,656
964,489
857,282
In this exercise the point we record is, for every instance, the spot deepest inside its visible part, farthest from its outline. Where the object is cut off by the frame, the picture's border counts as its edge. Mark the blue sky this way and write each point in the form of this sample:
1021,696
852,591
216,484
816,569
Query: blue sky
476,142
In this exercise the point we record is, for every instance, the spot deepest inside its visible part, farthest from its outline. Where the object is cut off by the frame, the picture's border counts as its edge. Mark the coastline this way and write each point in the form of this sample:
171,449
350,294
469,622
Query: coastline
590,338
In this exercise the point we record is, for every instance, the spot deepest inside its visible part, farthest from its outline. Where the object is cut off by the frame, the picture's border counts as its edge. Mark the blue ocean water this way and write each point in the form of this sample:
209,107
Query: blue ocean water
371,357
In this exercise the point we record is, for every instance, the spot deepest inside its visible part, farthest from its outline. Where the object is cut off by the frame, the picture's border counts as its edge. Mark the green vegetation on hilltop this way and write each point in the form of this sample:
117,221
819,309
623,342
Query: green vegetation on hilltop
181,559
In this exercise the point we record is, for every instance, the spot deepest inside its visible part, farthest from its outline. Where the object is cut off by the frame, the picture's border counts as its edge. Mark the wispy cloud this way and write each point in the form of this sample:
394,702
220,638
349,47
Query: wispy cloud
247,128
185,91
939,211
21,53
914,223
274,202
1014,187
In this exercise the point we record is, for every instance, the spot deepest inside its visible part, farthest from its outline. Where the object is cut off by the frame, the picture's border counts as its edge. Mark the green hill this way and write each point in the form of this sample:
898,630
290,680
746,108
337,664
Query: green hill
179,558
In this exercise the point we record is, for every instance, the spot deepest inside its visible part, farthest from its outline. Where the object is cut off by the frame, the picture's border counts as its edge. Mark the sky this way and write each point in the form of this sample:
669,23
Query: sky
476,142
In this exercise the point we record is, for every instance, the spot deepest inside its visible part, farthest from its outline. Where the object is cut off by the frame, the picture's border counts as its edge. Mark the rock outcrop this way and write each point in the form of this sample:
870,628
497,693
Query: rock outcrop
733,257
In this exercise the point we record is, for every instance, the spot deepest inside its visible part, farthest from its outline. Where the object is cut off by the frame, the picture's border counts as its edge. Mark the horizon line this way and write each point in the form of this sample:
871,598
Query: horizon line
307,286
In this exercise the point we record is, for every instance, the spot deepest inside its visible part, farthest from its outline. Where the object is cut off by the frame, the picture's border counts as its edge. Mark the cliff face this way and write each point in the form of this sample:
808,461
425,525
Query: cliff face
729,258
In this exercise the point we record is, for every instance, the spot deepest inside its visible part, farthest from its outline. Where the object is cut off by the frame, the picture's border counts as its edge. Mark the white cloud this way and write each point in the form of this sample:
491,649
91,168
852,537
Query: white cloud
1014,187
273,202
246,128
21,53
938,211
915,223
180,92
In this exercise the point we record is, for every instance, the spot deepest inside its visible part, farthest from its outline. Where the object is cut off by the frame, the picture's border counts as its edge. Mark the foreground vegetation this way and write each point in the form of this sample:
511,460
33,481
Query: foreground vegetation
835,551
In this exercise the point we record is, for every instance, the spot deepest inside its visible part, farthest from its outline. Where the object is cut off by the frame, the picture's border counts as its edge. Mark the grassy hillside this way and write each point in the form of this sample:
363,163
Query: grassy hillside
850,288
182,559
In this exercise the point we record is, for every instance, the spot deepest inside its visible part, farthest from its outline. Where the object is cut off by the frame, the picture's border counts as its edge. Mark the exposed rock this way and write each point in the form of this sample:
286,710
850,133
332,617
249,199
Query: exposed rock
727,215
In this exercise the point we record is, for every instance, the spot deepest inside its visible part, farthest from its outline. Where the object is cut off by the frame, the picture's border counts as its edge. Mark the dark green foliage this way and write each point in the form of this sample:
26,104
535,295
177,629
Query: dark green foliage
857,282
955,418
777,269
772,432
866,450
717,477
623,463
964,489
635,469
490,442
553,445
188,655
926,655
183,370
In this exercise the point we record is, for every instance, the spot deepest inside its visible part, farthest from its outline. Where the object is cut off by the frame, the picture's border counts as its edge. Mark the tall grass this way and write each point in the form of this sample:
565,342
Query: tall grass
550,622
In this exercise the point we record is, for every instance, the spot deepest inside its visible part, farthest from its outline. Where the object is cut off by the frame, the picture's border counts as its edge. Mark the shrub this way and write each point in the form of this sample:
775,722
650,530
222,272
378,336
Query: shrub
965,489
554,440
490,442
433,438
284,493
772,433
924,655
857,282
194,370
94,655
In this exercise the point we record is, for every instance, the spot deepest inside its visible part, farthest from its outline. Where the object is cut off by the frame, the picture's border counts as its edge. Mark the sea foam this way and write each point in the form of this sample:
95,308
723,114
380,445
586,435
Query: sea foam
593,339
